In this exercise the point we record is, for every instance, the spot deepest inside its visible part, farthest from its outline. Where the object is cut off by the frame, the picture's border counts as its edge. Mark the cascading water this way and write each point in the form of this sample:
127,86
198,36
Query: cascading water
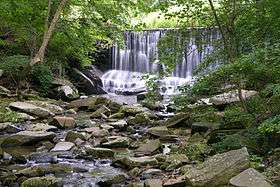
140,54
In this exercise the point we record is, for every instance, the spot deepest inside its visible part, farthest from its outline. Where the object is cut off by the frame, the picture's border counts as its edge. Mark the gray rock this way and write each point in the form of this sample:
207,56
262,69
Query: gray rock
250,178
47,105
153,183
97,132
41,127
31,109
43,157
27,138
219,169
68,92
180,119
100,112
8,128
160,131
132,162
48,181
204,127
117,142
63,146
64,122
100,152
177,182
118,124
231,97
113,180
72,136
149,147
25,117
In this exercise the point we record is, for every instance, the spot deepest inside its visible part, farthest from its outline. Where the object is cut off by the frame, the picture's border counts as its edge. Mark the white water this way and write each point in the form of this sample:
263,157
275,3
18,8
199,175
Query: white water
140,54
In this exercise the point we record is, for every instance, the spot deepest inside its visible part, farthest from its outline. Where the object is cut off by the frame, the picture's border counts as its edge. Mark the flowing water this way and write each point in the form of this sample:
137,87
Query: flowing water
140,54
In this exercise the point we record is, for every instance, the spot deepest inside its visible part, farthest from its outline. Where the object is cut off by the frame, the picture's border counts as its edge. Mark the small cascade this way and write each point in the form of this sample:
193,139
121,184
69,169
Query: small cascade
140,53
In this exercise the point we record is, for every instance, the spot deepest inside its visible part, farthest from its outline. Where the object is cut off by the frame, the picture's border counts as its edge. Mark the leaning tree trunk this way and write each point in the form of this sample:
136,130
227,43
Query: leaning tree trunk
39,56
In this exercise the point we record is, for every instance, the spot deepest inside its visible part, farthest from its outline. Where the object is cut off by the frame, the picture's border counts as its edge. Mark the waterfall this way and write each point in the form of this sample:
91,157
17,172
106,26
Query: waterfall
141,52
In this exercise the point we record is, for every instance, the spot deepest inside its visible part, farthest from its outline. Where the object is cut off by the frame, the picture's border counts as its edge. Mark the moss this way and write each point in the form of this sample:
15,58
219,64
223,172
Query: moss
41,181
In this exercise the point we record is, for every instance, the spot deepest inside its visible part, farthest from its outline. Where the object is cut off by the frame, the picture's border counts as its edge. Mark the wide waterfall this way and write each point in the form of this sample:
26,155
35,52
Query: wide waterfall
140,56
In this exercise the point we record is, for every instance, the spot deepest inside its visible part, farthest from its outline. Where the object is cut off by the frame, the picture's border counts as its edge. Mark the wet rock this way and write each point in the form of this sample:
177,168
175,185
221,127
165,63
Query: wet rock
153,183
47,105
31,109
42,182
117,142
132,162
117,115
150,173
85,123
139,119
88,103
159,131
250,178
178,182
231,97
41,170
99,113
8,128
67,92
131,110
113,180
64,122
149,147
100,152
219,169
41,127
180,119
43,157
97,132
27,138
72,136
63,146
118,124
203,127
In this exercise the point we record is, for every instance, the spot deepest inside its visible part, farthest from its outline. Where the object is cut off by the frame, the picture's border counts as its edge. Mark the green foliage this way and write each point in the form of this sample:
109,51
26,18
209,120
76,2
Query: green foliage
196,151
270,126
15,68
9,116
42,76
236,118
152,85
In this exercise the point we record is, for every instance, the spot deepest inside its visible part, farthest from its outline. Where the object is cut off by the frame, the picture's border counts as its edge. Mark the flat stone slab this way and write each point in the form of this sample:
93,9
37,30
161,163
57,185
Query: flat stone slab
250,178
31,109
63,146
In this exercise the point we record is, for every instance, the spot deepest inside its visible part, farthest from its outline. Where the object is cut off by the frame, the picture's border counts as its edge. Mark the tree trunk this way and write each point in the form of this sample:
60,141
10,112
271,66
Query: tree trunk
39,56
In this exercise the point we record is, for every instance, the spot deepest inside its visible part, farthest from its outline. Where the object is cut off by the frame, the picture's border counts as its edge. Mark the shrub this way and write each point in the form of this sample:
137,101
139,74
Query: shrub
270,126
15,68
42,77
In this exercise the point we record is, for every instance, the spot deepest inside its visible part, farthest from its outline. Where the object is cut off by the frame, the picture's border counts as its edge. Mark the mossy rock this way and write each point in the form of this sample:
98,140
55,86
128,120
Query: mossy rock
41,182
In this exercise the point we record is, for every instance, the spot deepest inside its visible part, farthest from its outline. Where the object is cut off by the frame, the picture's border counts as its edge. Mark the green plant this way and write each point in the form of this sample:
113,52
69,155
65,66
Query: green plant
42,76
152,84
270,126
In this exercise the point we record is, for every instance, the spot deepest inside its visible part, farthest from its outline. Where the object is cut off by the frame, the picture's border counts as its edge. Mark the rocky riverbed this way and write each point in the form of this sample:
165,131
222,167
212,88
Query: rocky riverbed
101,141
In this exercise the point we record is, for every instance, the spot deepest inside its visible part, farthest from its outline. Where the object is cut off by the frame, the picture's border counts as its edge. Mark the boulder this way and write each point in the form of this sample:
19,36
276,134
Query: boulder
98,132
203,127
132,110
64,122
117,142
100,152
48,181
250,178
64,89
149,147
218,169
85,103
139,119
160,131
47,105
174,161
132,162
27,138
118,124
180,119
8,128
99,113
231,97
41,127
87,81
72,136
31,109
63,146
153,183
